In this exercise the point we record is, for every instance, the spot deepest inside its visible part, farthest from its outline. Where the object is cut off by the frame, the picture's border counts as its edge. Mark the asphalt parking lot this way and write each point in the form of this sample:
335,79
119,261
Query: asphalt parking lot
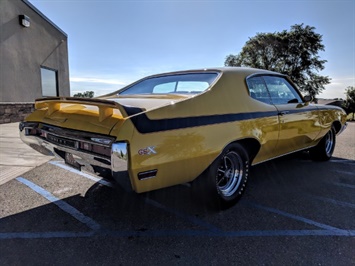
294,212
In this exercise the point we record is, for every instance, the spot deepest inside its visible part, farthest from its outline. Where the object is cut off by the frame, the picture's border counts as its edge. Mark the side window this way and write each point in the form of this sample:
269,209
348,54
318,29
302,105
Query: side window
258,89
281,91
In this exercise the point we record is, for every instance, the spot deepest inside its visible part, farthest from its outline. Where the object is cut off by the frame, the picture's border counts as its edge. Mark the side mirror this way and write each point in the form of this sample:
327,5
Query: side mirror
308,98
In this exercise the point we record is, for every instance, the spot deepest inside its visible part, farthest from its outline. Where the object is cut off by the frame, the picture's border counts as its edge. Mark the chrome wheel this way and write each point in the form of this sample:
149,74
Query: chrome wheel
325,148
224,181
329,142
229,173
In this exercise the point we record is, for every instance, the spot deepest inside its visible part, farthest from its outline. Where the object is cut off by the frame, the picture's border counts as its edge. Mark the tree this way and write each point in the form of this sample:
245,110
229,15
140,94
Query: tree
349,104
294,53
86,94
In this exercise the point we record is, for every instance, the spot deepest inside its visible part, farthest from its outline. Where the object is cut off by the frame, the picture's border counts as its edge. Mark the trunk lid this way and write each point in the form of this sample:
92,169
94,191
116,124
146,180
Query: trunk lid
97,115
91,115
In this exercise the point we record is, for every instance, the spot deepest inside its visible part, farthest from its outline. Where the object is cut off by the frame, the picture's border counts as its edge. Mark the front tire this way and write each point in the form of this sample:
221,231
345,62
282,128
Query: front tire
325,148
226,178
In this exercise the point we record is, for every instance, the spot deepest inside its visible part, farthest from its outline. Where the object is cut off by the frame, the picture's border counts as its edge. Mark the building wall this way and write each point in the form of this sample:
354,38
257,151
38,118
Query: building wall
23,51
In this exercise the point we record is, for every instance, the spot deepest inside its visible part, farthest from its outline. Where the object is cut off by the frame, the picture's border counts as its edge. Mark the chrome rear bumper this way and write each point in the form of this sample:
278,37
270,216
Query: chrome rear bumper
55,141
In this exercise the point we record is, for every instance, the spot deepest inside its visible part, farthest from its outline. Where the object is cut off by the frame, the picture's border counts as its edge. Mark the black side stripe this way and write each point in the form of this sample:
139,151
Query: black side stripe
145,125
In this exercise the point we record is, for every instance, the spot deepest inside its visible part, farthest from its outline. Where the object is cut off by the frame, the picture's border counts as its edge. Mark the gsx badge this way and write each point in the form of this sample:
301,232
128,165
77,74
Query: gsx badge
147,151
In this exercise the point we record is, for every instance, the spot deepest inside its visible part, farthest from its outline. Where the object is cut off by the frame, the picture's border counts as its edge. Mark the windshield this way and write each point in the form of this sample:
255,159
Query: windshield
178,83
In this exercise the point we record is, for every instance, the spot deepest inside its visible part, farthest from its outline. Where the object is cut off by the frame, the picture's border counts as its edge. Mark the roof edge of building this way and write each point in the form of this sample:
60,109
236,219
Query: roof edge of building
44,17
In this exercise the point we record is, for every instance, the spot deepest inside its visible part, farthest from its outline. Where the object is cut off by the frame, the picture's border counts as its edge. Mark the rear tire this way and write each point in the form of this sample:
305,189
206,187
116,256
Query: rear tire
325,148
225,180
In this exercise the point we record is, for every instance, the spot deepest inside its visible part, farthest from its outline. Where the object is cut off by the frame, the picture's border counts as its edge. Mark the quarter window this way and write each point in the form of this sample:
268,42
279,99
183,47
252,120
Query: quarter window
258,89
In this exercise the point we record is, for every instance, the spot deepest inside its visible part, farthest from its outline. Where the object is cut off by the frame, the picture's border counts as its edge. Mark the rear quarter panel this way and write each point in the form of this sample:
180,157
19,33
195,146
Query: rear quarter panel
329,115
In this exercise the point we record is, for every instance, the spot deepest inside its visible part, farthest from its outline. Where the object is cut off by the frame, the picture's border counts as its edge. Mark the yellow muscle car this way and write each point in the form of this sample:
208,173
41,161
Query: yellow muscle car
171,128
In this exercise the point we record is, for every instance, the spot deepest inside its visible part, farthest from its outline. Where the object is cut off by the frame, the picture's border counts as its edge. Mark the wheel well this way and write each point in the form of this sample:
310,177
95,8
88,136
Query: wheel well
337,126
252,146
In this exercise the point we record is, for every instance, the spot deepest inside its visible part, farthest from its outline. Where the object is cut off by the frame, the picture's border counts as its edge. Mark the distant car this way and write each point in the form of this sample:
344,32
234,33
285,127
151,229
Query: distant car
171,128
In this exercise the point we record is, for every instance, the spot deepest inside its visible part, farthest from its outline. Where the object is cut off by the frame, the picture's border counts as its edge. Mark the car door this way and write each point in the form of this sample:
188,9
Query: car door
299,120
268,128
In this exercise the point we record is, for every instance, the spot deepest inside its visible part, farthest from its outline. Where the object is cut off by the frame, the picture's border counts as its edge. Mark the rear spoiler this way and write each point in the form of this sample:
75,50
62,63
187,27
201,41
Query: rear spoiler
105,106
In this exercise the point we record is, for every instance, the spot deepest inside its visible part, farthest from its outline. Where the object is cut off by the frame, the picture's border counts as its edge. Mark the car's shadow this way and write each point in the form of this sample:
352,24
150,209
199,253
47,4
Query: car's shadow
175,207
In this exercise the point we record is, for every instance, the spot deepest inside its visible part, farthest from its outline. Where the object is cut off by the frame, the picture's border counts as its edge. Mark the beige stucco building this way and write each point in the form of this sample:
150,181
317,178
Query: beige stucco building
33,55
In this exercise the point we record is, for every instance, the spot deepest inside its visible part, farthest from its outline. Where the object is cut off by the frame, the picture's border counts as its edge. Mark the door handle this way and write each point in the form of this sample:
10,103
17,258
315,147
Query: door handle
281,113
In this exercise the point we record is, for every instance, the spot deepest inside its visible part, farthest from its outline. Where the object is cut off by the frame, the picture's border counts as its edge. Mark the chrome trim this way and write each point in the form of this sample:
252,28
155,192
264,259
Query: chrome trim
52,149
58,137
285,154
75,134
101,141
22,125
154,172
343,127
117,163
119,157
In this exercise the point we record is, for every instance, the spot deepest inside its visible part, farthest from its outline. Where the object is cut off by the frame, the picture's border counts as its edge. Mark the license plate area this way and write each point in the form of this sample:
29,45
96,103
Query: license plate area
69,160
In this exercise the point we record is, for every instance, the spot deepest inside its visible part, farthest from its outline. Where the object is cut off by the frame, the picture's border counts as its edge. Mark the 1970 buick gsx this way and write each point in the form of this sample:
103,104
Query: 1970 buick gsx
171,128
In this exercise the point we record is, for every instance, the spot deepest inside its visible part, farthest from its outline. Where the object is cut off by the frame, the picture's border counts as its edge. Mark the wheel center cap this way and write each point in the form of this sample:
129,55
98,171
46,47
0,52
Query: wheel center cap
228,174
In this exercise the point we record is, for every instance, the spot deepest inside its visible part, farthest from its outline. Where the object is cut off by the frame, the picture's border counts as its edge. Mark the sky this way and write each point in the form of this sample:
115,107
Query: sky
113,43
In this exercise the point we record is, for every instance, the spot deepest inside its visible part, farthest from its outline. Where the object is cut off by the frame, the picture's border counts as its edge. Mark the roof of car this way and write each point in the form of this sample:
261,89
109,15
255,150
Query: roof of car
241,70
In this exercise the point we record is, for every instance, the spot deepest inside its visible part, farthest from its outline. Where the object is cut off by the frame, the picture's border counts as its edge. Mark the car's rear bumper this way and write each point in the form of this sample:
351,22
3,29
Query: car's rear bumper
61,142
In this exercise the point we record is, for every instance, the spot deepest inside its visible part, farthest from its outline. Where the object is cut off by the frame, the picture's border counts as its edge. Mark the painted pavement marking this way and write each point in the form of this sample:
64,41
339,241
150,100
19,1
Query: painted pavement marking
337,202
151,202
342,185
172,233
325,230
88,176
292,216
345,172
61,204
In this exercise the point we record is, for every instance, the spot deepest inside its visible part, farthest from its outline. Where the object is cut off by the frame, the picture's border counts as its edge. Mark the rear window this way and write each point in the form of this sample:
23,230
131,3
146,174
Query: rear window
190,83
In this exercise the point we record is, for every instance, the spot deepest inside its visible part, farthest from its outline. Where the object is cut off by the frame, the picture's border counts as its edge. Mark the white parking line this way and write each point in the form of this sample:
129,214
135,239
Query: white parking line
344,161
345,172
61,204
342,185
68,168
293,216
338,202
147,200
176,233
